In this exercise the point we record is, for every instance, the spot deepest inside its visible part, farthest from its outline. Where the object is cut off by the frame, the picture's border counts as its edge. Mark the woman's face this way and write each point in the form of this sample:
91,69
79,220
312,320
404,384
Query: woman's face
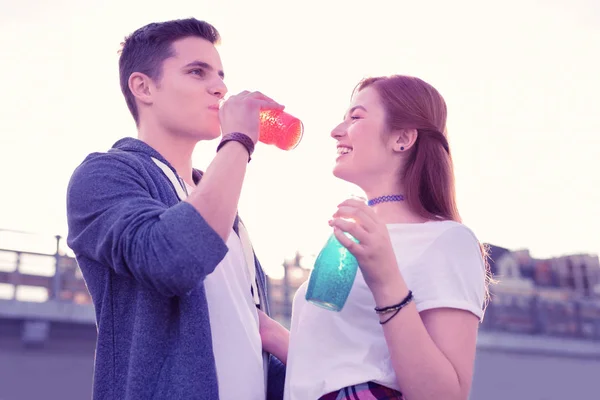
364,154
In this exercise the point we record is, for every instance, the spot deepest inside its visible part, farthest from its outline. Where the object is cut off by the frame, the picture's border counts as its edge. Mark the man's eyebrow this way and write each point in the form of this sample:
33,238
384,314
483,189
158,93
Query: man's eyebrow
204,65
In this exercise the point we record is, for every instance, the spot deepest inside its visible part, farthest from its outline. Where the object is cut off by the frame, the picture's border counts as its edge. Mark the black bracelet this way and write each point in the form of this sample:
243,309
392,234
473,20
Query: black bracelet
241,138
402,304
395,308
388,320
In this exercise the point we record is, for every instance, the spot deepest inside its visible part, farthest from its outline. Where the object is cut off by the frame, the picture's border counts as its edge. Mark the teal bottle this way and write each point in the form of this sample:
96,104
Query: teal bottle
332,277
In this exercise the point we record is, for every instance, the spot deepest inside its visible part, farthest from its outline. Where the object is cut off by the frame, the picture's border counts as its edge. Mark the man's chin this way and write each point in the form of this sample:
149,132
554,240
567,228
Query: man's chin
207,135
214,136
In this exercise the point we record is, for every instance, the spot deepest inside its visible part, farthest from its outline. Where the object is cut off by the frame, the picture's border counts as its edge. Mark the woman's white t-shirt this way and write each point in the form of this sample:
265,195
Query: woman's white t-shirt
441,263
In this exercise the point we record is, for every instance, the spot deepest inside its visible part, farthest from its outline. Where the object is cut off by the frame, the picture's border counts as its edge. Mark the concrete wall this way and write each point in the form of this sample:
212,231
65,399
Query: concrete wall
60,366
59,369
504,376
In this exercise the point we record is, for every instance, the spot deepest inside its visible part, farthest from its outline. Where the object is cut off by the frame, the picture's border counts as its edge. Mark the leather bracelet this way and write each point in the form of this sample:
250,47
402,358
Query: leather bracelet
241,138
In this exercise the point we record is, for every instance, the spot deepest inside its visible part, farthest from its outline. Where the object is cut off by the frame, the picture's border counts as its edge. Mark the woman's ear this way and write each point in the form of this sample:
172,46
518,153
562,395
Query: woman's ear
404,139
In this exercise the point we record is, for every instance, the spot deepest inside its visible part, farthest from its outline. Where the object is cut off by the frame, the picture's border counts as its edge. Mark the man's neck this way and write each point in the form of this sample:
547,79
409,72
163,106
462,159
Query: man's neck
176,150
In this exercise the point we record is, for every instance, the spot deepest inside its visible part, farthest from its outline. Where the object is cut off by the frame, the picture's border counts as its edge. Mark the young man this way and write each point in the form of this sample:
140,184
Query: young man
173,277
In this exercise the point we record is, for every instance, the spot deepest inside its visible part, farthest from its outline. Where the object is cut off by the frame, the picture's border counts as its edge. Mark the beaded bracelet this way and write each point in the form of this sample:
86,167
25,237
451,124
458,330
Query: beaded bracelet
395,308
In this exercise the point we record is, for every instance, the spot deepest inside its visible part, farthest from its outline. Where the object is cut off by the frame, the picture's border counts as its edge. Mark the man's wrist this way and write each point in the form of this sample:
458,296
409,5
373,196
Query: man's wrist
240,138
234,150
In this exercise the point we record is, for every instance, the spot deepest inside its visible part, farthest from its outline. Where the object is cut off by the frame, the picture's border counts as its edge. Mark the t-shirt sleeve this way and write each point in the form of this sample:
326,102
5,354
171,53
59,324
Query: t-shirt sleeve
451,273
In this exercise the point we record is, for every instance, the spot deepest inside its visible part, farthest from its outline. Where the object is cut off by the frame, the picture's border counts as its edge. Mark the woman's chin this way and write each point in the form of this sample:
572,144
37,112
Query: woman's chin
341,173
337,172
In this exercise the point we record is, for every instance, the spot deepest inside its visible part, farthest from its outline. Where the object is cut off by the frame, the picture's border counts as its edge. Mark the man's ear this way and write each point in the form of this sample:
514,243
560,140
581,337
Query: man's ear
142,87
404,139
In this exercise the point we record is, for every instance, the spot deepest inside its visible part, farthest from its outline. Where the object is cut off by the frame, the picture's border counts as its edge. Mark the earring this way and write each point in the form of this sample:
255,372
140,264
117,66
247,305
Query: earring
401,148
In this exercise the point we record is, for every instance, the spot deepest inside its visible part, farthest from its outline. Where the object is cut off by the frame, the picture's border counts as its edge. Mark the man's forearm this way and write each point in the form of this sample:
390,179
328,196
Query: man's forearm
216,197
279,344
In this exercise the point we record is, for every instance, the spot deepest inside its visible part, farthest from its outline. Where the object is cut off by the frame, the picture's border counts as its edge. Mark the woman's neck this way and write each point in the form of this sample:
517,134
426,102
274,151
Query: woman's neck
397,212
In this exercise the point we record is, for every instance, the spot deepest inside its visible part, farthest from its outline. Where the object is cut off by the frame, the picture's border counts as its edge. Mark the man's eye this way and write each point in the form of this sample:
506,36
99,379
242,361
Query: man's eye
197,71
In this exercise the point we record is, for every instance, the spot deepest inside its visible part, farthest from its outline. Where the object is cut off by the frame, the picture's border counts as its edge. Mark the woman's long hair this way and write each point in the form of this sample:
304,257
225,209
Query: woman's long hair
428,176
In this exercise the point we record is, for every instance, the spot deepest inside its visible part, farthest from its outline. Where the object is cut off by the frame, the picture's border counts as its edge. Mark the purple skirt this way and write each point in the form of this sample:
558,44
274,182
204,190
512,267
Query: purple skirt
364,391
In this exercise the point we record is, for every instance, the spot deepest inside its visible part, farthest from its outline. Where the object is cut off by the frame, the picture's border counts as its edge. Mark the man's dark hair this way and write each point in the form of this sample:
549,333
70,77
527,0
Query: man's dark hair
145,50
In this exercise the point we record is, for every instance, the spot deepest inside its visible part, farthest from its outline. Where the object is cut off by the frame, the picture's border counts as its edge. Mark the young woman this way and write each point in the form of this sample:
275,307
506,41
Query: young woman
409,326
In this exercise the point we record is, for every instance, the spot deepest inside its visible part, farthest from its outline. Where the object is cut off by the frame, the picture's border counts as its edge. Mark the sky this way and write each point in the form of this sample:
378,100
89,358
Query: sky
520,78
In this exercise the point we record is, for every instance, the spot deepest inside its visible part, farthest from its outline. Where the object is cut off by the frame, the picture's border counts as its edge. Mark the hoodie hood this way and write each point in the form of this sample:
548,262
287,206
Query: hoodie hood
133,145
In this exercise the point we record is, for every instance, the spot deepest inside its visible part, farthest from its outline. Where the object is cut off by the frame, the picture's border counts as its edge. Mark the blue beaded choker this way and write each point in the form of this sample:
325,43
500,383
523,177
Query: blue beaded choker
383,199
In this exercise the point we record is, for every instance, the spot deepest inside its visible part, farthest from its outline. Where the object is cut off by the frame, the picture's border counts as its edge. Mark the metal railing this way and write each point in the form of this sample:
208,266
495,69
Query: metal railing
518,305
56,273
541,306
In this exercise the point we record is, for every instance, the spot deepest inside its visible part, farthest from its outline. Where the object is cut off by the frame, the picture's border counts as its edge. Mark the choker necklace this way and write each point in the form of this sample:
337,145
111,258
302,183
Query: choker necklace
383,199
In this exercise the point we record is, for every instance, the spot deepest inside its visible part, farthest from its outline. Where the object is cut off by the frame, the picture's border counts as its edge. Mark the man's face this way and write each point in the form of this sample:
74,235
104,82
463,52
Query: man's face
185,100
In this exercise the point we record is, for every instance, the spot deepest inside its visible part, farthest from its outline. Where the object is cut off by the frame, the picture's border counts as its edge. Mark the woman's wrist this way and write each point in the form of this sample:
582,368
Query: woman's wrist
389,292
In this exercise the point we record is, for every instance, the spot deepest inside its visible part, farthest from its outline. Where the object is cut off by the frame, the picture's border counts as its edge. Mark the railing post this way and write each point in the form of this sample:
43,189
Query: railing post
287,306
16,275
56,281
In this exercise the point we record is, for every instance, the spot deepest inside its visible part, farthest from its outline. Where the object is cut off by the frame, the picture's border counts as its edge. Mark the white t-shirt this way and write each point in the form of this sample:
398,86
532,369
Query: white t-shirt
441,263
234,326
